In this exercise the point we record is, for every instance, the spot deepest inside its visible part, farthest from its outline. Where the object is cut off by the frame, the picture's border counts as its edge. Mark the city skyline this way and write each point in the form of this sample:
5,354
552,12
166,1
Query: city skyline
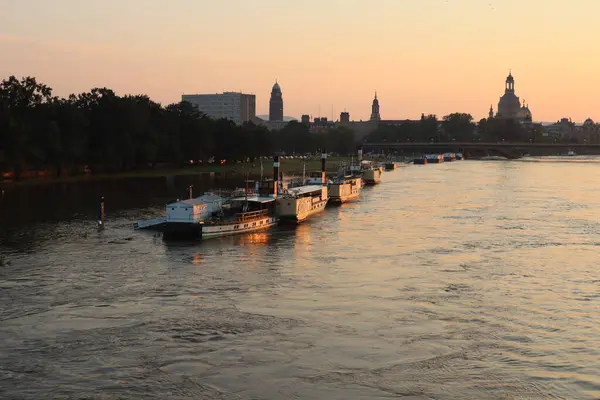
421,58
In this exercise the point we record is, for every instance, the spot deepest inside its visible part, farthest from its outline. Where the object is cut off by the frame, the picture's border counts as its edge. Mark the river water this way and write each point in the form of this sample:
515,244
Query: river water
465,280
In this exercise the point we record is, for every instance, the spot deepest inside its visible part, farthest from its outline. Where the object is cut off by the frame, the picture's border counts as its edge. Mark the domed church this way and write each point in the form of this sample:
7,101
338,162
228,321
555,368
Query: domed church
509,106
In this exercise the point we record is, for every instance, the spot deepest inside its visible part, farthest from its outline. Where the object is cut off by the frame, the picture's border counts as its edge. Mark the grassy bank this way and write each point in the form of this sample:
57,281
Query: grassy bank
288,166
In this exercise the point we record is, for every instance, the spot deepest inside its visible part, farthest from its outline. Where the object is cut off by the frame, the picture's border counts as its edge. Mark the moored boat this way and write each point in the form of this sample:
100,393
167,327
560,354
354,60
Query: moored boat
344,188
297,204
245,214
390,166
449,157
434,158
459,156
197,218
185,217
371,174
420,161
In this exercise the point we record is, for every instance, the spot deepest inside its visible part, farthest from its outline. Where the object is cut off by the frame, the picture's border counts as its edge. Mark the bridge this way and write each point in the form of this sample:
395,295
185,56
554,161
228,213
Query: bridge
505,149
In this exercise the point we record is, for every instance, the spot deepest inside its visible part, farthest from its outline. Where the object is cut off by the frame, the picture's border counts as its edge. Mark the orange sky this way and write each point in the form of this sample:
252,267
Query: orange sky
431,56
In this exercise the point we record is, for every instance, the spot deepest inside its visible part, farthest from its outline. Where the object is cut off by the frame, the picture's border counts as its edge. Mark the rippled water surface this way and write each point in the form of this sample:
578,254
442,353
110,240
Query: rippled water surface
466,280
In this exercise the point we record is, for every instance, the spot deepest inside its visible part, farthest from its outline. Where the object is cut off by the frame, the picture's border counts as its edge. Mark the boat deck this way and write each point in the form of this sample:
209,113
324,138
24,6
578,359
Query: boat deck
304,190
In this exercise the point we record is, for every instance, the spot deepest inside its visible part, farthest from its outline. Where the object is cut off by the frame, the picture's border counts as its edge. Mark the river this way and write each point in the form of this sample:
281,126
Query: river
465,280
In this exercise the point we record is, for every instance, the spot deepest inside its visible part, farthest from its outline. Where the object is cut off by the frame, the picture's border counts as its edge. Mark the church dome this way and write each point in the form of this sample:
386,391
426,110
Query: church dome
588,122
524,113
509,105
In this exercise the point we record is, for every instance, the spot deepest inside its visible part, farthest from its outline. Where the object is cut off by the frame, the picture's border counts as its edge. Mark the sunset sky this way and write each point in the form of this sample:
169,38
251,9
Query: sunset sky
430,56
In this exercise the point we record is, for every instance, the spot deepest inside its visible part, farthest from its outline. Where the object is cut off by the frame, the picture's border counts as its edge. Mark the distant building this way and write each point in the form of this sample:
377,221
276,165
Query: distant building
588,132
238,107
345,118
276,104
305,119
375,116
509,106
564,128
321,125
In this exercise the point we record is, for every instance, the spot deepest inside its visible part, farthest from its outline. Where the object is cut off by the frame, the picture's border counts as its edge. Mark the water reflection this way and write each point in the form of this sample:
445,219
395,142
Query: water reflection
197,259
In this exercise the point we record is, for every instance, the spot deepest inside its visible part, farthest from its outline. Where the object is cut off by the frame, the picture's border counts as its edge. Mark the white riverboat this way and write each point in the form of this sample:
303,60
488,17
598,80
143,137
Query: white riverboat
345,188
296,204
242,216
299,203
371,173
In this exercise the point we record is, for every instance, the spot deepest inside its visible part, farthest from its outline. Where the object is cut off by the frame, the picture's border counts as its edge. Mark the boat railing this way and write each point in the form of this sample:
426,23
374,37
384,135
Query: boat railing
243,217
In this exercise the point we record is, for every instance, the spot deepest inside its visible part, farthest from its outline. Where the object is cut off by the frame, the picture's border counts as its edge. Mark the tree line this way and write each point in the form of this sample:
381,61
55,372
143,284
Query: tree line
104,133
458,127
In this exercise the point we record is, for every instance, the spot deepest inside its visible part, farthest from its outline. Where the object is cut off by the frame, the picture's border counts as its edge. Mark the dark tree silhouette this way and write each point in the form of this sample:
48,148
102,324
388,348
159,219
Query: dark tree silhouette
109,133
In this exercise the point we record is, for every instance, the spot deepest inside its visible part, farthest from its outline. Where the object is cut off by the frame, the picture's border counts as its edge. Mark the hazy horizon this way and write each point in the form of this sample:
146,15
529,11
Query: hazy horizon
432,57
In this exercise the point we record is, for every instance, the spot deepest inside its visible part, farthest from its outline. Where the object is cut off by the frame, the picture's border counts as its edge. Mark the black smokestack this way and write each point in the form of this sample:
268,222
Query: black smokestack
275,174
323,162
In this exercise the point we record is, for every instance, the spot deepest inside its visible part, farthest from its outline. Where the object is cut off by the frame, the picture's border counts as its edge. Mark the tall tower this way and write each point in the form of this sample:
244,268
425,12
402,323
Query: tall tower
276,104
375,109
491,114
344,117
510,83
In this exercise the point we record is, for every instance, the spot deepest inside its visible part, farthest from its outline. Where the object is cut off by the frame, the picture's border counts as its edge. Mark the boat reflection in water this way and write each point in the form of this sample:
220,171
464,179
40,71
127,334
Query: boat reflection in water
258,238
197,259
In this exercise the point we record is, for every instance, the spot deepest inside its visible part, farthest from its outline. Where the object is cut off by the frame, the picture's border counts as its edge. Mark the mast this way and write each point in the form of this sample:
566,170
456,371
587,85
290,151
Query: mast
275,174
304,173
261,170
323,162
246,192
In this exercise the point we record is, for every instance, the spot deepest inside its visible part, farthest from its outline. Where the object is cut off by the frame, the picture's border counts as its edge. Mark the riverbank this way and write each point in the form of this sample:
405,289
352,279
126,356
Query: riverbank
289,166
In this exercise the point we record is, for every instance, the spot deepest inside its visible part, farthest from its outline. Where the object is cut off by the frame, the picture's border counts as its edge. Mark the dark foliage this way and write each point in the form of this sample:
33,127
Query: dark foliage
109,133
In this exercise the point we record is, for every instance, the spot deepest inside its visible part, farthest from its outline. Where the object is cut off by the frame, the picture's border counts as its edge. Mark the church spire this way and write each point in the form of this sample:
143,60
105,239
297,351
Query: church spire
491,114
375,109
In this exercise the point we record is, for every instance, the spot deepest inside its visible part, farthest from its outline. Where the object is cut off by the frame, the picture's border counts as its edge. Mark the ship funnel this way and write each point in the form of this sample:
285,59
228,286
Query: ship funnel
323,162
275,174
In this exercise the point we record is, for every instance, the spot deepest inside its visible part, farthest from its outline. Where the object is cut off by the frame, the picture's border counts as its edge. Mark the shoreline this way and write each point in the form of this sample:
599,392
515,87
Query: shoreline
288,167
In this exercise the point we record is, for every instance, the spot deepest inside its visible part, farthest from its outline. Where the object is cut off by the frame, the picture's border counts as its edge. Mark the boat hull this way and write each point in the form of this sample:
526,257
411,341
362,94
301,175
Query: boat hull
420,161
343,199
236,228
191,231
182,231
301,212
